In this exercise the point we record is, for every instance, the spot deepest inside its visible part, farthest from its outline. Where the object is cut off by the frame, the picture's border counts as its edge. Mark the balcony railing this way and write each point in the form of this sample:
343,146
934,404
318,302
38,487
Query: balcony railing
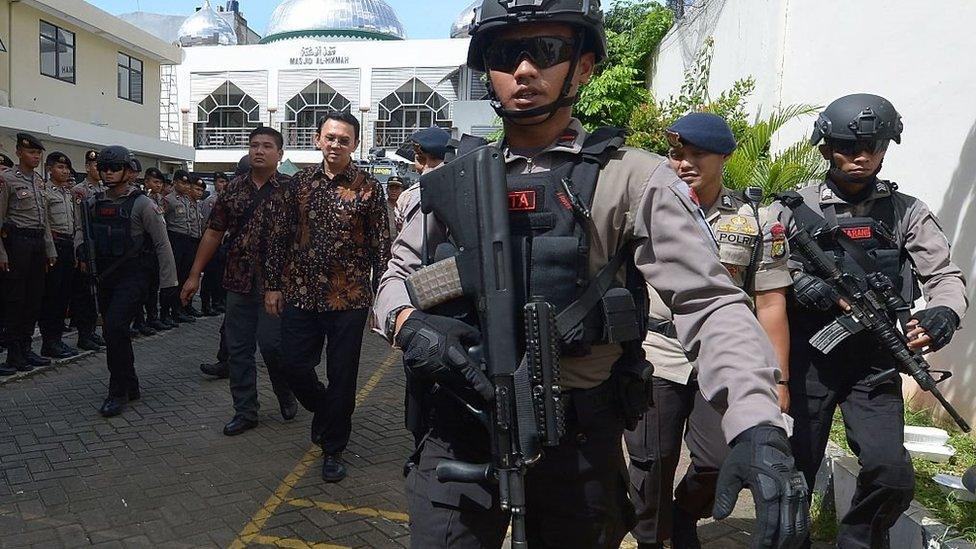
205,137
299,138
391,138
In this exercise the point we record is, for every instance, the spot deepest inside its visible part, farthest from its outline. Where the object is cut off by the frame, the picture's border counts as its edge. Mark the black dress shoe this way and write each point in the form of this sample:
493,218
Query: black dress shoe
192,311
113,406
288,407
333,469
97,339
158,326
88,344
145,330
220,370
238,425
183,317
169,322
57,350
134,394
35,359
7,370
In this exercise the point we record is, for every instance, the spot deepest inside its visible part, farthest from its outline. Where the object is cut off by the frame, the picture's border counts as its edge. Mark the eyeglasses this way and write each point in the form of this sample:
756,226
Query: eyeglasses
342,141
543,51
111,166
851,148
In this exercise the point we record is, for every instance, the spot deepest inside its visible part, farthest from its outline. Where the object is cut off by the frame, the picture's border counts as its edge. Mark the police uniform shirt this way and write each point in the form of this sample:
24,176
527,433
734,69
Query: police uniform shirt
206,206
638,200
916,231
735,228
182,214
61,210
23,205
88,188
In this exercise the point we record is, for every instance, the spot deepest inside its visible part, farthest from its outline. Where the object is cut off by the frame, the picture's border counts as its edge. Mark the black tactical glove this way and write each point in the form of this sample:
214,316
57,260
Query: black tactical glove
762,461
813,293
436,347
940,322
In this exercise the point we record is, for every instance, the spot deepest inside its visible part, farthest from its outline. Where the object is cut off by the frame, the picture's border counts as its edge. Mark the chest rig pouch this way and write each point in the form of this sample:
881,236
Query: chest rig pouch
112,228
550,222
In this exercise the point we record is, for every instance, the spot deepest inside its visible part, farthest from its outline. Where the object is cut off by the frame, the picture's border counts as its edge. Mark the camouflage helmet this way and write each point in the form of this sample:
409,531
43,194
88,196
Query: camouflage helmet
856,117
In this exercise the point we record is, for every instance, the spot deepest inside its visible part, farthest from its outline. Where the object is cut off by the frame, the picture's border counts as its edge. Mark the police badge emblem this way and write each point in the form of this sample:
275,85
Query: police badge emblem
778,247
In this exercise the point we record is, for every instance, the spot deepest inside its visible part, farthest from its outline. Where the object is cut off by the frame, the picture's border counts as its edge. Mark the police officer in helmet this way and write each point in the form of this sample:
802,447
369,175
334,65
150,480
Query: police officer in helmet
637,214
127,230
898,236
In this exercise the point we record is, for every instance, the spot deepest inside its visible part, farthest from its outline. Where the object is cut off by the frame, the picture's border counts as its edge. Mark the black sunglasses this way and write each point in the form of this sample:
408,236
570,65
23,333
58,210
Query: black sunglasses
543,51
111,166
849,148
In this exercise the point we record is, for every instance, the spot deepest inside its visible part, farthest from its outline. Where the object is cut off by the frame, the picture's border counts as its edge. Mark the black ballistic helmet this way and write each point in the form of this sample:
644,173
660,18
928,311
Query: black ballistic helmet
858,116
117,154
496,14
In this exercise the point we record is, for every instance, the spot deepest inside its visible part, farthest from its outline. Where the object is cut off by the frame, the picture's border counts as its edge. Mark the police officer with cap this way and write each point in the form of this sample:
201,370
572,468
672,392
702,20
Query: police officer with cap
537,55
426,148
26,252
127,229
5,161
903,240
752,247
153,183
59,280
83,312
394,189
183,225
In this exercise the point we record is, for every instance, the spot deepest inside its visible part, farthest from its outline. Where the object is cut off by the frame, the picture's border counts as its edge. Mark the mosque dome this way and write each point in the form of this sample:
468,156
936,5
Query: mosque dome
349,19
206,28
463,22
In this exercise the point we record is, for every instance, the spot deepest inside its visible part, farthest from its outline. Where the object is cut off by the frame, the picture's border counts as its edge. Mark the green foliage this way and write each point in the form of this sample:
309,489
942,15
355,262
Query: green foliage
753,165
650,120
948,509
823,519
634,29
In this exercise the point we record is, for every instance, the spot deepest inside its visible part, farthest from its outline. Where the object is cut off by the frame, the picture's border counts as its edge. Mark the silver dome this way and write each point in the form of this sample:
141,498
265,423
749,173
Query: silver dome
365,19
463,22
205,27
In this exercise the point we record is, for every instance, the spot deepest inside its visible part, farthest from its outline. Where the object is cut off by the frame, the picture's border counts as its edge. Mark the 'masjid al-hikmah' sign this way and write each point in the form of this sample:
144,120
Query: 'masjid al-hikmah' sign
319,55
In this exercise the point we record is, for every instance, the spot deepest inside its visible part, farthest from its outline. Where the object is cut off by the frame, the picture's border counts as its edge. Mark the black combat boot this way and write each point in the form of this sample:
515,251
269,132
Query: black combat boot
220,370
16,360
56,349
684,534
33,358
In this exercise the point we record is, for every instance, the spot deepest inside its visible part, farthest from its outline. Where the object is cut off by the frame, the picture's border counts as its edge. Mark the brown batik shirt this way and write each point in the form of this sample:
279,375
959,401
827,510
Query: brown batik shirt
246,238
330,243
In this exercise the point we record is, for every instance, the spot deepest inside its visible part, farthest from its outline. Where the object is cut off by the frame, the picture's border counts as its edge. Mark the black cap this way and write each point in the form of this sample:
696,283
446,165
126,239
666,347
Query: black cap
91,156
704,130
6,161
198,181
394,180
56,158
181,176
28,141
154,173
136,165
220,175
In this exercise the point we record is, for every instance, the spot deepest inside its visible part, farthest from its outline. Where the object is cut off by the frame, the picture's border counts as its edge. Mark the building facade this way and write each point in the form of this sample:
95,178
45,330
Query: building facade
79,78
320,55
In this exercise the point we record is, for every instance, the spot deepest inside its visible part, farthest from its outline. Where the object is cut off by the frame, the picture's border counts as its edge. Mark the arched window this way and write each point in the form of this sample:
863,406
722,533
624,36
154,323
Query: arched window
225,118
302,113
413,106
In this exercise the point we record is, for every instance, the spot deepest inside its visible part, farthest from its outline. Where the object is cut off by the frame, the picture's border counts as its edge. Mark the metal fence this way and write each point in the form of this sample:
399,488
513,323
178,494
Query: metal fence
299,138
205,137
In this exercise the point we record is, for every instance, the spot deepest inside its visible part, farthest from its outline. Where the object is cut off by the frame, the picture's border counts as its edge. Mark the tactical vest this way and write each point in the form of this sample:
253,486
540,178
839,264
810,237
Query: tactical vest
875,234
111,228
549,218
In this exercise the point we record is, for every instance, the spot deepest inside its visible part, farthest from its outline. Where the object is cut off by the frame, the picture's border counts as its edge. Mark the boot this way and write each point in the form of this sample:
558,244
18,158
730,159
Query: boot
144,329
16,360
33,358
85,342
183,317
158,325
684,533
192,311
96,338
220,370
56,349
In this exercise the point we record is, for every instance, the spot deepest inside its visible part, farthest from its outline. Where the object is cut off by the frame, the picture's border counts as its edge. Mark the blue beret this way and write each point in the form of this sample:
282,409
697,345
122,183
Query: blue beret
704,130
432,141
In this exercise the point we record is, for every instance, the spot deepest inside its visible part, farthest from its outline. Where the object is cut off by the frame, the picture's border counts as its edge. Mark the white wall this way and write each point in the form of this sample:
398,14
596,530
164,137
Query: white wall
920,55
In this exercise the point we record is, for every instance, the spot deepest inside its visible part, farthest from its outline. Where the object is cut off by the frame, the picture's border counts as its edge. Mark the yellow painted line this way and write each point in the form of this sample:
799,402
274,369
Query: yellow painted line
294,543
339,508
252,529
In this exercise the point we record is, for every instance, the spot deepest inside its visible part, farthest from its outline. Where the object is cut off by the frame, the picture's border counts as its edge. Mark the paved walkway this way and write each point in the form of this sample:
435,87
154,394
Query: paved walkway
163,475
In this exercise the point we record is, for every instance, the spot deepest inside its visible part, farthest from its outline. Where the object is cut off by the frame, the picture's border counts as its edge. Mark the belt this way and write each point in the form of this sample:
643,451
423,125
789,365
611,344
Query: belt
603,394
663,327
61,236
23,232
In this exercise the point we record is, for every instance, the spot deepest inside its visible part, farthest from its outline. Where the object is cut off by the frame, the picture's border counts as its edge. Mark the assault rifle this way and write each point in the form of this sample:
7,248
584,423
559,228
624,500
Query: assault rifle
89,247
872,302
470,197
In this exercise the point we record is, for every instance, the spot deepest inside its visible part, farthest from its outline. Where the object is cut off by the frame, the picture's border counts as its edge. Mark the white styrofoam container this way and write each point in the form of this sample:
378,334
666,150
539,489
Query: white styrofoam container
926,435
938,453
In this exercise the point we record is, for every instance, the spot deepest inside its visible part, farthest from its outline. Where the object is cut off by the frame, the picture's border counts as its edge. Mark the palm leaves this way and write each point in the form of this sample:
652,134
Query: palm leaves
754,165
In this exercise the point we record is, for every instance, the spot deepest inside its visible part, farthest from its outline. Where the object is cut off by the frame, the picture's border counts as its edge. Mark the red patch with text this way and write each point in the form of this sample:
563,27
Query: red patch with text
107,211
521,201
564,200
858,233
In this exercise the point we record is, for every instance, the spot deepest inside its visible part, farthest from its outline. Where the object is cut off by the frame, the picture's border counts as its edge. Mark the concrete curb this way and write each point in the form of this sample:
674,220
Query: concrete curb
916,529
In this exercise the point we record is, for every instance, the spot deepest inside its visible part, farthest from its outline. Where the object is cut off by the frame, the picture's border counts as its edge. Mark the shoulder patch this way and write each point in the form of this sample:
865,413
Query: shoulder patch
777,247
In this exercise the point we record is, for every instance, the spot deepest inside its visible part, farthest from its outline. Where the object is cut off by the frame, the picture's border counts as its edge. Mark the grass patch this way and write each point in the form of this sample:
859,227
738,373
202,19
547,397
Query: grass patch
823,519
961,515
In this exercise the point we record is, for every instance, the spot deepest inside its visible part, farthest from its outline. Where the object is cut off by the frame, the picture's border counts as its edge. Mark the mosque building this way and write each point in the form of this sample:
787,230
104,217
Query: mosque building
316,56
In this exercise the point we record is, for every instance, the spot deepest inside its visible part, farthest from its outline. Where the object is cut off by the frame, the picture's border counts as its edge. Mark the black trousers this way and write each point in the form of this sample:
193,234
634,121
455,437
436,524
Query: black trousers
211,288
655,449
58,288
23,285
874,425
84,314
150,301
184,251
120,298
341,333
223,355
576,495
